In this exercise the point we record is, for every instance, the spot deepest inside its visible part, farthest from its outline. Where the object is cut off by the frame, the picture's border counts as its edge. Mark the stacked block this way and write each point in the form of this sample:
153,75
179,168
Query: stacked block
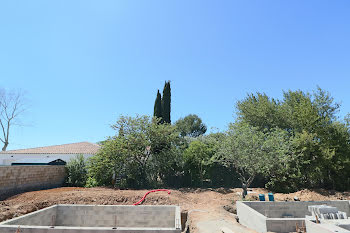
16,179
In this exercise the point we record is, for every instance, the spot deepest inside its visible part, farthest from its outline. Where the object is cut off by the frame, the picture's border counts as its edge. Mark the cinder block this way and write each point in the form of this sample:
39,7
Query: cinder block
16,178
280,216
86,218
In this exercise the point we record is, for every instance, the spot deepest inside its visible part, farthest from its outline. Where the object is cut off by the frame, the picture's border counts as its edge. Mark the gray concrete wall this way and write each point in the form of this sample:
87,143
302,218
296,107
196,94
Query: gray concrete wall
251,218
283,225
312,227
16,179
120,216
32,229
297,209
345,226
44,217
280,216
95,218
315,228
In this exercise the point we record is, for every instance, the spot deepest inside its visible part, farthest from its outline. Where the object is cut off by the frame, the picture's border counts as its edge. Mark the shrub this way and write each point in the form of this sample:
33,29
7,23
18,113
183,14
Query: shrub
76,172
91,182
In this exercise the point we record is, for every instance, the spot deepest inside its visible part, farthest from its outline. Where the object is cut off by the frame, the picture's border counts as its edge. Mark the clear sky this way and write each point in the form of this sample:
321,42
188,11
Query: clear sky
84,63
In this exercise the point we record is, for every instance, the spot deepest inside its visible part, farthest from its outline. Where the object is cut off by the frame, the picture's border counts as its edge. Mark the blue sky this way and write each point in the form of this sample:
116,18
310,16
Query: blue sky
84,63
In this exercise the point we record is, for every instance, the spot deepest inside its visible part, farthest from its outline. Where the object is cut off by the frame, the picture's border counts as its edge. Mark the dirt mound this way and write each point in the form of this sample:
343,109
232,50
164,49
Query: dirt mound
200,203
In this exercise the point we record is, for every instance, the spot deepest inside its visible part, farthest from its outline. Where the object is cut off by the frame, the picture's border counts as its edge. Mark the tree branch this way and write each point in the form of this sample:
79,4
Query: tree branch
11,107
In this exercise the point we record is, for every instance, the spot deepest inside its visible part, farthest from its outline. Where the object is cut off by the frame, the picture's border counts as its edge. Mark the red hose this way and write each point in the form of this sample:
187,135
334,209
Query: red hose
152,191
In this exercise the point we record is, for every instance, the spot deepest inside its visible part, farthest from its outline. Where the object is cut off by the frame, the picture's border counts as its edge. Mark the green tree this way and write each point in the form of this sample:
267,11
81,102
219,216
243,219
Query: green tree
166,103
260,111
141,155
200,163
158,106
320,140
338,170
110,163
325,105
197,157
313,157
164,149
191,126
252,152
296,112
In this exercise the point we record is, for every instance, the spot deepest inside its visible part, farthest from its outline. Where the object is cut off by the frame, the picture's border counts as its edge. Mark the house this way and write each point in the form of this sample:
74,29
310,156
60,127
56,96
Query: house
64,152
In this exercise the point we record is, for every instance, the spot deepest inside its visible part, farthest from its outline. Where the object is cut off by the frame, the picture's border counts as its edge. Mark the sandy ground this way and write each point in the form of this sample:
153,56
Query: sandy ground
203,205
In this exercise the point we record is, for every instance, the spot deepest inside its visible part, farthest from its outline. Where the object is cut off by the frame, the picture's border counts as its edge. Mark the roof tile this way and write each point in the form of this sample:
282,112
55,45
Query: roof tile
72,148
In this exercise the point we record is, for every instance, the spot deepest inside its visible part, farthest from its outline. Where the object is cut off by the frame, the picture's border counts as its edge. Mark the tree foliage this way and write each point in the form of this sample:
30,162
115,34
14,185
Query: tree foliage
196,158
166,103
285,144
142,153
158,106
191,126
252,152
320,141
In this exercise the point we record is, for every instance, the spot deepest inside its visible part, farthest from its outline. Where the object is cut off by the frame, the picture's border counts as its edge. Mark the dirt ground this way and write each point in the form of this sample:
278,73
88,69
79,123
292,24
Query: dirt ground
201,204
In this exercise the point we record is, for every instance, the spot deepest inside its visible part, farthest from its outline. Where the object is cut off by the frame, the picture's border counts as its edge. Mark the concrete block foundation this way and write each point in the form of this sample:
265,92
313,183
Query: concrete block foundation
280,216
97,218
328,226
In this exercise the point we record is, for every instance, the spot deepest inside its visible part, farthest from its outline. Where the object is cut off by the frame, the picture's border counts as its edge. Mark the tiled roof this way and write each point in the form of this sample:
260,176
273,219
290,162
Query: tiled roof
72,148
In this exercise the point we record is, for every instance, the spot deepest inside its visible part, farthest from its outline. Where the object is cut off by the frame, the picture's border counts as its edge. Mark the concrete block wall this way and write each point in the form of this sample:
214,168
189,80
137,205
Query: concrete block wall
111,216
294,209
97,218
31,229
280,216
16,179
283,225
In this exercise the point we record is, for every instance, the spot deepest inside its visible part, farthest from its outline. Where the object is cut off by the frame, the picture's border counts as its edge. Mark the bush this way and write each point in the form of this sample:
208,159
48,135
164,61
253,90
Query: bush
91,182
76,172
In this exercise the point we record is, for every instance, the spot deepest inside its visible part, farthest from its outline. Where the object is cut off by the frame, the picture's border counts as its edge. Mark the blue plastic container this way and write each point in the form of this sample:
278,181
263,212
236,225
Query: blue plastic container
271,198
261,197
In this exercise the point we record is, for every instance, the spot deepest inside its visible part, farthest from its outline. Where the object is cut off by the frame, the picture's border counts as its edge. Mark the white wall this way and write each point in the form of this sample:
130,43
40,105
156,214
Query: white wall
7,159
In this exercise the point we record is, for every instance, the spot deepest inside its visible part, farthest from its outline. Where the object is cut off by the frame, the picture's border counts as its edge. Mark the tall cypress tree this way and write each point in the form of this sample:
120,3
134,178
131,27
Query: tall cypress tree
158,106
166,102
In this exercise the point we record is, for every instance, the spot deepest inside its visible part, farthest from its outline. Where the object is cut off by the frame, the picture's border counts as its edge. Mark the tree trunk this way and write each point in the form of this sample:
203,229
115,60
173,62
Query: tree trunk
201,174
246,184
245,190
5,146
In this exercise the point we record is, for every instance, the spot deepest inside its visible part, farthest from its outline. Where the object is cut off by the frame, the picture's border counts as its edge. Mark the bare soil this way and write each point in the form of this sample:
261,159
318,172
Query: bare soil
200,203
